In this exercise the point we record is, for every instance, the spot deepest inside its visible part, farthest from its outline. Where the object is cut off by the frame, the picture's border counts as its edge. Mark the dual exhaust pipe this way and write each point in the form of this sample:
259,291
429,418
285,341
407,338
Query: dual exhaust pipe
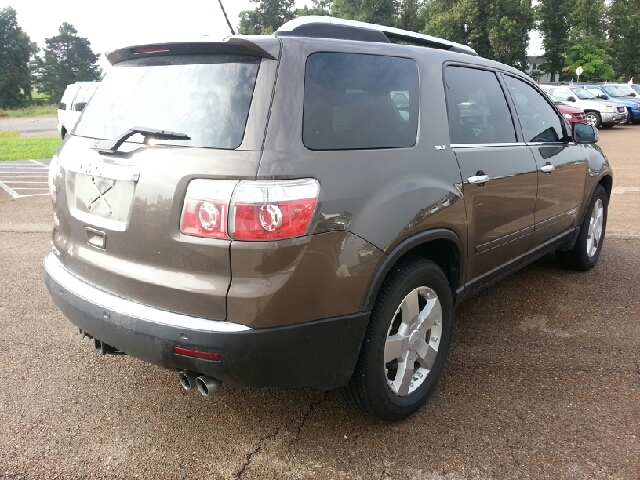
205,384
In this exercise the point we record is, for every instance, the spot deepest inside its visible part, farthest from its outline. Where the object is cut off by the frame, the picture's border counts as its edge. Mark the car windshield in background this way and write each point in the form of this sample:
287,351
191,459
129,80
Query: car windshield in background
205,96
614,91
583,94
626,90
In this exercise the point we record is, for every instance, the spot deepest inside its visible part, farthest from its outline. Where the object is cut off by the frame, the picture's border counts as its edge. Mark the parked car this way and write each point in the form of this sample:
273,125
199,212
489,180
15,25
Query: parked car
572,114
599,113
614,93
74,99
259,211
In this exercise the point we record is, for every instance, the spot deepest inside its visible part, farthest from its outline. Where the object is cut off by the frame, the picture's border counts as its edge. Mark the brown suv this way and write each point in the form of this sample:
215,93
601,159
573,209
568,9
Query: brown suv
296,210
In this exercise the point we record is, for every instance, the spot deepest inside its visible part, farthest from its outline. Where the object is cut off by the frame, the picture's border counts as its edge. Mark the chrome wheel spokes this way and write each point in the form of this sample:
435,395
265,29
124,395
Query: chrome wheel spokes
596,222
413,340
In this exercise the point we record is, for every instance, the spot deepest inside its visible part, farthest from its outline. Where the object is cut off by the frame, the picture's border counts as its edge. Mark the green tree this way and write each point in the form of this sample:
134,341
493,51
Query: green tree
381,12
318,7
589,21
624,35
553,23
267,17
498,30
594,60
68,58
16,49
410,15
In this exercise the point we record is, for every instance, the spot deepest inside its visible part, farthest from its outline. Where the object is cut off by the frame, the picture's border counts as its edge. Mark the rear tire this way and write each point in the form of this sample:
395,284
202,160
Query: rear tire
406,342
586,251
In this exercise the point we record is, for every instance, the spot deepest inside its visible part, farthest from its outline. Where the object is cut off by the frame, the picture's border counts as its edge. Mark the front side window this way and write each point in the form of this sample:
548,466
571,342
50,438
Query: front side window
354,101
206,97
477,109
540,122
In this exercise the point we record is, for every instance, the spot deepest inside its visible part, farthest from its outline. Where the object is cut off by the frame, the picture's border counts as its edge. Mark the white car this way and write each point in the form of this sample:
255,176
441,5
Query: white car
73,101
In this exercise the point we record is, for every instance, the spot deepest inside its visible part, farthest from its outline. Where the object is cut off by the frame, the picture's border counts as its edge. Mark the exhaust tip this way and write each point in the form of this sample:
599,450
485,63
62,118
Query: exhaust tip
207,385
187,379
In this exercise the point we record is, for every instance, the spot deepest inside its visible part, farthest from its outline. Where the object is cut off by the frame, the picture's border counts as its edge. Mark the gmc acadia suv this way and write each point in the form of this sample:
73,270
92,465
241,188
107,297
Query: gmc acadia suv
306,209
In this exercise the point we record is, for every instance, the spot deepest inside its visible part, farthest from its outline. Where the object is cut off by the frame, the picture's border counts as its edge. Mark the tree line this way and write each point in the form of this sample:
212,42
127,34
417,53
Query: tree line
66,58
601,37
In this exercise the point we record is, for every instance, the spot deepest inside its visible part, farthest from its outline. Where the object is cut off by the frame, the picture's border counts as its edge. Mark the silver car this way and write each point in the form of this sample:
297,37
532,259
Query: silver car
600,113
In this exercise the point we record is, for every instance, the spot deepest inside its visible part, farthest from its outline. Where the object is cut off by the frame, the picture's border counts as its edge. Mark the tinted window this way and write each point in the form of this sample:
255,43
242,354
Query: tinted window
540,122
477,109
354,101
206,97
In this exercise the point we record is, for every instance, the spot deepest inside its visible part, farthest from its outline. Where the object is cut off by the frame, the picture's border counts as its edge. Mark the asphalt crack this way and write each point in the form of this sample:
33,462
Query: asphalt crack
274,434
312,407
250,455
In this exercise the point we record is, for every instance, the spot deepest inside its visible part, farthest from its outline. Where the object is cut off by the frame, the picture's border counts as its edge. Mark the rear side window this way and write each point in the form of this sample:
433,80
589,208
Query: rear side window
206,97
540,122
477,108
354,101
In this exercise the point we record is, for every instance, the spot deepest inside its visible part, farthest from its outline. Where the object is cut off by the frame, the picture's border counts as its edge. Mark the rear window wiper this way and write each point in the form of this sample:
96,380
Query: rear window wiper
111,146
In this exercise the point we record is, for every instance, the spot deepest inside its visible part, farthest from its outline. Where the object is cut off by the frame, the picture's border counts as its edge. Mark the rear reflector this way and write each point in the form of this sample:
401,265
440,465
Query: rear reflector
196,354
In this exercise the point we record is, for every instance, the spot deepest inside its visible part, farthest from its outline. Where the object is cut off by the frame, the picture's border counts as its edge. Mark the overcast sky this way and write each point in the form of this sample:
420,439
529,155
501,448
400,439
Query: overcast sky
119,23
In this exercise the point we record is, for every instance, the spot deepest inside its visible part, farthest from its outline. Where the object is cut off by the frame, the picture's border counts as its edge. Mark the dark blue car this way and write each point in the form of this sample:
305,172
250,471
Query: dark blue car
618,94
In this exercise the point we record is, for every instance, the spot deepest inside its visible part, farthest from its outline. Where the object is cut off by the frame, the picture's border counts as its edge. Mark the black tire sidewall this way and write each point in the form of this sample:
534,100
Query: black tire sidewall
384,403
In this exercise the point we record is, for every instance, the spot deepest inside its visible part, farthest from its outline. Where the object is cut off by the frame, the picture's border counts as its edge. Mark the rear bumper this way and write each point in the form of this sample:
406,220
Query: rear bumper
319,354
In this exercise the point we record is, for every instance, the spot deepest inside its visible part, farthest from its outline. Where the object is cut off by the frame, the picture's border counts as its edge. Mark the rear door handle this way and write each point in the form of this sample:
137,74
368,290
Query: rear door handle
548,168
479,179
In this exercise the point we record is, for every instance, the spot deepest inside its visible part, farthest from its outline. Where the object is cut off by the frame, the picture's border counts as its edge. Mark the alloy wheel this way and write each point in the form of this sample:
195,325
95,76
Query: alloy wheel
413,340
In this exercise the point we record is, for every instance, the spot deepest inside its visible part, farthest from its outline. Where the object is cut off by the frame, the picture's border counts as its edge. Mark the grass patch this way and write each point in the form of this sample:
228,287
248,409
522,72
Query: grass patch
31,111
9,134
15,148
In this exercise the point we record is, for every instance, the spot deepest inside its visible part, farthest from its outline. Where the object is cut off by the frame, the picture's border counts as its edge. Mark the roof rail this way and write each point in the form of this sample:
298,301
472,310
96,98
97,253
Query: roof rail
330,27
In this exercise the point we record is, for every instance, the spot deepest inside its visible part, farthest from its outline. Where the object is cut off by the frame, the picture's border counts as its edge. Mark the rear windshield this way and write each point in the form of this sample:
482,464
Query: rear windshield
206,97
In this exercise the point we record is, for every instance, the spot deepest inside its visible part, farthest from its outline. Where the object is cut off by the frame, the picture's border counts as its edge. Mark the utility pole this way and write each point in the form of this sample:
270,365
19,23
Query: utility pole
226,18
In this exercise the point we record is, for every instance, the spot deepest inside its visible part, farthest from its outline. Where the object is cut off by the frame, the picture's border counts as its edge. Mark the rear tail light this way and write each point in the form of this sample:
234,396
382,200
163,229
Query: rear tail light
249,210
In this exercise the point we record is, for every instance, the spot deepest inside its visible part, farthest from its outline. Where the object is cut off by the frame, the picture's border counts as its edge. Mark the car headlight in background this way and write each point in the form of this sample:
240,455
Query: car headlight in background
568,116
608,109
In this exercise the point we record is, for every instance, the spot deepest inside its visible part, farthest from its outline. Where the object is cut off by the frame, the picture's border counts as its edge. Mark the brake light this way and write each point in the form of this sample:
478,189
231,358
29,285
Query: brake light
252,210
267,210
204,213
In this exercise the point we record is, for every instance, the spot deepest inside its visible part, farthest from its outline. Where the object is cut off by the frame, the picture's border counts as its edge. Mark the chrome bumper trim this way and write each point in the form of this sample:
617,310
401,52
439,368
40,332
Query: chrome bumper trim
113,303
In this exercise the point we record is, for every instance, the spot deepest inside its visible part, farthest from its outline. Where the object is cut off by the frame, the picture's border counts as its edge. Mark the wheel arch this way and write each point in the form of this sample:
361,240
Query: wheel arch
442,246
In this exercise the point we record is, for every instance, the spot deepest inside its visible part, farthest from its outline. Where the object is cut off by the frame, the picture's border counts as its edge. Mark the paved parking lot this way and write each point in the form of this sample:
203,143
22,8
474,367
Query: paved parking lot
27,178
31,127
543,382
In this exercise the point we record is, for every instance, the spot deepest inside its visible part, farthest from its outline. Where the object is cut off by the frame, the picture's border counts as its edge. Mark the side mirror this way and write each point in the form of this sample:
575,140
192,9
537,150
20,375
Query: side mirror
572,99
583,133
603,97
78,107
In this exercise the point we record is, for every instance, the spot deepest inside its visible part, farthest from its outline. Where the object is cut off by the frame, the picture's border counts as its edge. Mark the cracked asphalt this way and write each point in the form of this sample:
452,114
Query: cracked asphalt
543,382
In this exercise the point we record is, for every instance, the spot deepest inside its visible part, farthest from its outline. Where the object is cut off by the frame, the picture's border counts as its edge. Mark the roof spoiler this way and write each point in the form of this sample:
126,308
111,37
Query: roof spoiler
268,48
330,27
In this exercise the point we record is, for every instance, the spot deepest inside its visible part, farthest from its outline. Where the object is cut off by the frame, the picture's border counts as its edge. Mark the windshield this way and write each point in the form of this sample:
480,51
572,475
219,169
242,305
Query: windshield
207,97
597,92
613,91
583,94
626,90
